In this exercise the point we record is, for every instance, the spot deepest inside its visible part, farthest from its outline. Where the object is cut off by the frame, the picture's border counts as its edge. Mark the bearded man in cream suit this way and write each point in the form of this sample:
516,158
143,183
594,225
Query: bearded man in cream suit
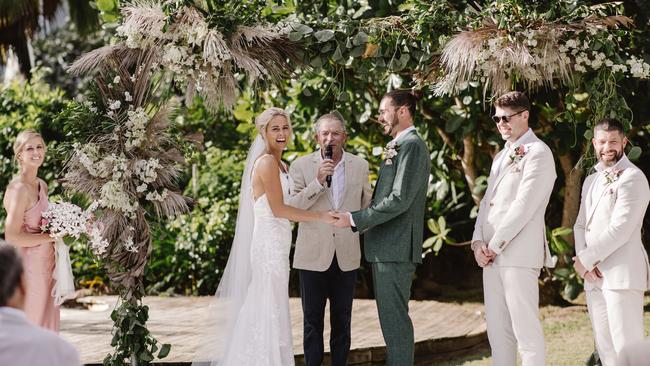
327,257
509,236
610,255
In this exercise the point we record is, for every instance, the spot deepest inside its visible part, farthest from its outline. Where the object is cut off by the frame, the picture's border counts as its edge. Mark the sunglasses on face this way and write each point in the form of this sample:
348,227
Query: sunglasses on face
506,119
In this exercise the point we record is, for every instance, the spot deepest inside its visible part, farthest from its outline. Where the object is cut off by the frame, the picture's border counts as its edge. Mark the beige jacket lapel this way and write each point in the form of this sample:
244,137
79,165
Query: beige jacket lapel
591,206
510,165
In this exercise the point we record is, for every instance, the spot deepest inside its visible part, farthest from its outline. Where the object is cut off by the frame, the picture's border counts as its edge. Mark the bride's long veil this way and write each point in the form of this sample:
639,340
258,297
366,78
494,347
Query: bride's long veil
223,310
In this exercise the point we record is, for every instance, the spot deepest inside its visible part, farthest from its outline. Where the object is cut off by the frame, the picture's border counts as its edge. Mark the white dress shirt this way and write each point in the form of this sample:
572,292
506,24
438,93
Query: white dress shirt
338,182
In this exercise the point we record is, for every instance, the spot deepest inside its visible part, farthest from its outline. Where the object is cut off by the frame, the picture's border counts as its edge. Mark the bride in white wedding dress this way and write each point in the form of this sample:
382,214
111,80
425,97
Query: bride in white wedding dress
250,314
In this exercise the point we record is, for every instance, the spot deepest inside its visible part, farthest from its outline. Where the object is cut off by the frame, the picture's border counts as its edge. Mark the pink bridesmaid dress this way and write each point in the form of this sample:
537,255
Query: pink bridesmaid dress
38,262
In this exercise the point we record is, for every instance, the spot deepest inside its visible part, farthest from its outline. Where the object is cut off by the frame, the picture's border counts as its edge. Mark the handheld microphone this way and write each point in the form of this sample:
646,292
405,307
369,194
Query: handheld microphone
328,155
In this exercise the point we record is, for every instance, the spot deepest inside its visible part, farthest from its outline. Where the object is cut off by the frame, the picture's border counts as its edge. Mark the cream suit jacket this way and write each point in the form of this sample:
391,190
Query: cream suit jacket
608,229
511,213
25,344
317,242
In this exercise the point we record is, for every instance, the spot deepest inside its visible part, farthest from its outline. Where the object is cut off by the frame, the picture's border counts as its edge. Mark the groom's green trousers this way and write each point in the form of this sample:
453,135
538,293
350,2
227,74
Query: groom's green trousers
392,282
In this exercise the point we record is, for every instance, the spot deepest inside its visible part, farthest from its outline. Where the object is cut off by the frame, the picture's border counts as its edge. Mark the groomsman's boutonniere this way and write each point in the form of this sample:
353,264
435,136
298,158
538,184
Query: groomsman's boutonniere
389,152
518,153
612,175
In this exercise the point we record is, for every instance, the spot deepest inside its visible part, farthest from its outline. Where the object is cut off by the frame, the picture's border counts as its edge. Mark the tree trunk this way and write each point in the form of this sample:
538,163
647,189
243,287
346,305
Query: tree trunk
469,167
572,186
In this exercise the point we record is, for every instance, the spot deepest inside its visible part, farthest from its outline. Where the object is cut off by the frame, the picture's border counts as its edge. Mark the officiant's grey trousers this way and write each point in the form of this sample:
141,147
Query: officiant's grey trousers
392,282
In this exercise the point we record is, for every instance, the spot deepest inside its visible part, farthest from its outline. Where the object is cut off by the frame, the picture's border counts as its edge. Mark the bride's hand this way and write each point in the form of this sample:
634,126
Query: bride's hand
328,218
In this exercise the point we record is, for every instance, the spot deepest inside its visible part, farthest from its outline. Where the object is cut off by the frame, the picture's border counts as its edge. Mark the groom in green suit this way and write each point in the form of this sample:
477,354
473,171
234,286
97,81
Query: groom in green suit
393,224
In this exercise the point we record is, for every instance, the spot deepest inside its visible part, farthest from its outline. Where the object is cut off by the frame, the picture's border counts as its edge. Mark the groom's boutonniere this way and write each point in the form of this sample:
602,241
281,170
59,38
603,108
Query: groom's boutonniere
612,175
389,152
518,153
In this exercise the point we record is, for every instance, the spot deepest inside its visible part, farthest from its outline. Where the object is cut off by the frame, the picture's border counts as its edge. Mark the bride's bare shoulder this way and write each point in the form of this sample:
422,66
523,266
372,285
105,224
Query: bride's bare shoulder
266,162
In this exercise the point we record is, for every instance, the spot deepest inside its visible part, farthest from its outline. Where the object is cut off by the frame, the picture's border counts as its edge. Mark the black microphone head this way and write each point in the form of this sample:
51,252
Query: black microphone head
328,152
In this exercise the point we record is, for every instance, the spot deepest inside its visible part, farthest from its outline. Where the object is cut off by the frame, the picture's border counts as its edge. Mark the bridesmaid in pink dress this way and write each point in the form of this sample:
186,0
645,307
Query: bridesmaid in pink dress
25,199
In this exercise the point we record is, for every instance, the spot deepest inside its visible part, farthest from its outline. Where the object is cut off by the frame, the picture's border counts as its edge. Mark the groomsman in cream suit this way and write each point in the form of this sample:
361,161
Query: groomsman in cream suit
509,236
610,254
21,342
327,257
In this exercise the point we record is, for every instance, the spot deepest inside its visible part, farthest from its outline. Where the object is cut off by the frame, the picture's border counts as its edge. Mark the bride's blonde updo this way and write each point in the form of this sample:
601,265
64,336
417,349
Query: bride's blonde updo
263,119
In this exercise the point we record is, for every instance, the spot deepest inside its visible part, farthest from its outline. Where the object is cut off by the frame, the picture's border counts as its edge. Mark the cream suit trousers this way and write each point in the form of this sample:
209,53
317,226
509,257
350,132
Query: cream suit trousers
512,312
617,320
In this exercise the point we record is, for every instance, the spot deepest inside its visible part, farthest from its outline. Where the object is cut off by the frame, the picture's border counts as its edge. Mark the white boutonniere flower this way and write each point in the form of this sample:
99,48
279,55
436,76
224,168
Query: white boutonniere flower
389,153
612,175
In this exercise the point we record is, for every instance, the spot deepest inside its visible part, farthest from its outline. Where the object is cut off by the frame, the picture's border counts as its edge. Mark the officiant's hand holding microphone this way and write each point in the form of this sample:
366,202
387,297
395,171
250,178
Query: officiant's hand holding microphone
326,168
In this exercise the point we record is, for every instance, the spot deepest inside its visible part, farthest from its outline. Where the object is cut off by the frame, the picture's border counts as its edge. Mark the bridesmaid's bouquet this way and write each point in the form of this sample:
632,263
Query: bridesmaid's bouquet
63,219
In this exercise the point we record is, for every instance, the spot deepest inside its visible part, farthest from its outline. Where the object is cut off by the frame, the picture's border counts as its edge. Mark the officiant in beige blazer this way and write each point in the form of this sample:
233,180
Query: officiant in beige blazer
327,257
509,236
610,254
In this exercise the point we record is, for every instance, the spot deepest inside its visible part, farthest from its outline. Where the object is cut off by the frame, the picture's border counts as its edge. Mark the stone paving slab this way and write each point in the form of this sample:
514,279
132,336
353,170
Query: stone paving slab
439,328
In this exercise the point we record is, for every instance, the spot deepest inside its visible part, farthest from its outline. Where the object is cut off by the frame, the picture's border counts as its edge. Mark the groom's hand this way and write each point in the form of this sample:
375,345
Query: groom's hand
343,219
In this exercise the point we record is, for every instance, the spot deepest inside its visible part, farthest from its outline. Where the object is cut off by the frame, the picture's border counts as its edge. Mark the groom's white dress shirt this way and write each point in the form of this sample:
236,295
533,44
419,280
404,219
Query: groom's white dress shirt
511,221
25,344
608,236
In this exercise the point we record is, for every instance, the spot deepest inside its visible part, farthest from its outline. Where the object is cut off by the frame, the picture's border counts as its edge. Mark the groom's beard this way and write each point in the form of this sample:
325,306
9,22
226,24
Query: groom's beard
389,126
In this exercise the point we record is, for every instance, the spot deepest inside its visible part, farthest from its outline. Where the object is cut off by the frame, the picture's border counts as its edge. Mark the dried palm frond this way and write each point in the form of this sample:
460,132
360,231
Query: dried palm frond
126,94
202,60
499,60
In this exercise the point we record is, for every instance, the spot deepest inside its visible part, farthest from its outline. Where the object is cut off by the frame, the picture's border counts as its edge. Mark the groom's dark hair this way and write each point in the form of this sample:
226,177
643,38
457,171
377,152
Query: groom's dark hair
404,98
609,125
11,270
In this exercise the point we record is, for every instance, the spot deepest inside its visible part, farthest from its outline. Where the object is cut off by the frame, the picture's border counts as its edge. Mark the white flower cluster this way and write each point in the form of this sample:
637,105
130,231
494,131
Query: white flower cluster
65,219
155,196
114,196
88,155
97,243
136,127
129,245
539,56
146,172
197,56
638,68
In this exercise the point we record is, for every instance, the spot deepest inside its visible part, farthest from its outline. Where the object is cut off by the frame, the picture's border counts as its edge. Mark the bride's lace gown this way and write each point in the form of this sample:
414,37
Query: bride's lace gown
262,331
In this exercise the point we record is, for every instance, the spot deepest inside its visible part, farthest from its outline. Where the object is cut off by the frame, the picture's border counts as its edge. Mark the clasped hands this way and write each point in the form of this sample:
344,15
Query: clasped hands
484,256
592,276
338,219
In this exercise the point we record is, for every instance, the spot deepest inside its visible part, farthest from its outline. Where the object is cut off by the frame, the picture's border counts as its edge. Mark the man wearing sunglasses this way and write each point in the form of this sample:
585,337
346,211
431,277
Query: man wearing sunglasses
509,240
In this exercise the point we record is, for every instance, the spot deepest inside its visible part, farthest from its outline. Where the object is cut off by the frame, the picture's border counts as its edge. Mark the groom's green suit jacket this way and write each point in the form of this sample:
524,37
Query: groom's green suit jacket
393,225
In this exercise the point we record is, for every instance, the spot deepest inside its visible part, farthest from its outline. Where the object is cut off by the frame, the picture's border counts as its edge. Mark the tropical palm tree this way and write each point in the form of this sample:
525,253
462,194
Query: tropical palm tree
21,19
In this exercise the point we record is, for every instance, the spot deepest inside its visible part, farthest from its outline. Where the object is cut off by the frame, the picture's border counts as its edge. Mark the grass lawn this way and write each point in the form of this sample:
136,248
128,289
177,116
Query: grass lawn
568,336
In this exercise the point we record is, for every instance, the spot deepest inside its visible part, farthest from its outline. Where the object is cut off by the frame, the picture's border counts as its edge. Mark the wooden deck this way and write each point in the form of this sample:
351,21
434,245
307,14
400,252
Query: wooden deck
440,328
